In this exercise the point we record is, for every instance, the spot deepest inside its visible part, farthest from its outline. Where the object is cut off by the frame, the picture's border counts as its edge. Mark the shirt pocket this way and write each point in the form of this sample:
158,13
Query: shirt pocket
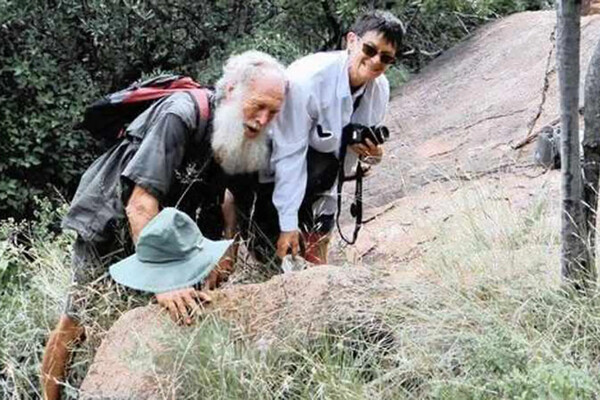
325,135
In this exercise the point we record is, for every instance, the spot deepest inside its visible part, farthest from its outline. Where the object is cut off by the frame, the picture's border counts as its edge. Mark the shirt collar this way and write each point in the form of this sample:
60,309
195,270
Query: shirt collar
361,90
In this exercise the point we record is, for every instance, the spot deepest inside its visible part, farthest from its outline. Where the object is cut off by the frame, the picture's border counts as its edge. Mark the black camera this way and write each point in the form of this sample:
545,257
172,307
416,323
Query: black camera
355,134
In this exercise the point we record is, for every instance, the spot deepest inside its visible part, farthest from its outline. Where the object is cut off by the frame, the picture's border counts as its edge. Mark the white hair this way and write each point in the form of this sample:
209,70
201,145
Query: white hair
240,69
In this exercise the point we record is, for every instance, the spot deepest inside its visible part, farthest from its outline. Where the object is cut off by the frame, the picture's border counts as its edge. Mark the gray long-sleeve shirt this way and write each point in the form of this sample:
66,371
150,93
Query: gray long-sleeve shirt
163,152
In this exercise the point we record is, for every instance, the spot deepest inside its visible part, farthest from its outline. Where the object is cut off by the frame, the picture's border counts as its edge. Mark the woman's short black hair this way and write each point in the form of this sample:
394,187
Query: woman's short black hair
383,22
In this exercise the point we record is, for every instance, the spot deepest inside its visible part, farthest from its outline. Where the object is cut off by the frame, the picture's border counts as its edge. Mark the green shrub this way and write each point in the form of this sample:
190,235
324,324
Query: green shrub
56,57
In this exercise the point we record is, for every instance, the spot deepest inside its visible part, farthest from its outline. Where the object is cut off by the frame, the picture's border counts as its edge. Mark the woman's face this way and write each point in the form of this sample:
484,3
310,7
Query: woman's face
370,56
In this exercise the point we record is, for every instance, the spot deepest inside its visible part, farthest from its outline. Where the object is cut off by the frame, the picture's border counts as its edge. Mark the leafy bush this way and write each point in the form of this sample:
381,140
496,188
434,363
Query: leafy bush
56,57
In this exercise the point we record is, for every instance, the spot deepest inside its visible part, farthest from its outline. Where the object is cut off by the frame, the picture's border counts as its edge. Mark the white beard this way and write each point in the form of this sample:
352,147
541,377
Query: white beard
236,153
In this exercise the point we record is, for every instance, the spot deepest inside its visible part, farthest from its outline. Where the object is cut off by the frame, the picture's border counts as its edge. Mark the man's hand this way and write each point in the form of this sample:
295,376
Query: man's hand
177,302
223,270
288,241
370,153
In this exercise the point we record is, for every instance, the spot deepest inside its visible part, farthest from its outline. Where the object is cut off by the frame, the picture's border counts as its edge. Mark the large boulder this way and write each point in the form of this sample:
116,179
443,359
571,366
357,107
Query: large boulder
463,120
310,300
462,115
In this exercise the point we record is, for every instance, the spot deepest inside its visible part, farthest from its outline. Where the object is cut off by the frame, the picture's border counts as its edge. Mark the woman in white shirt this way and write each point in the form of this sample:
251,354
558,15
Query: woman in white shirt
327,92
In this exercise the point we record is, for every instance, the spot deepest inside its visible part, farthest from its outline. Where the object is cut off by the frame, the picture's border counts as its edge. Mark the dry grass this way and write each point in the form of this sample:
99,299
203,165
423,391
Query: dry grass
479,315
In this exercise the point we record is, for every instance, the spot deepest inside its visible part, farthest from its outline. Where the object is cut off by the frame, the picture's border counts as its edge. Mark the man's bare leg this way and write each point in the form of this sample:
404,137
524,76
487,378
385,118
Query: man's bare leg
56,355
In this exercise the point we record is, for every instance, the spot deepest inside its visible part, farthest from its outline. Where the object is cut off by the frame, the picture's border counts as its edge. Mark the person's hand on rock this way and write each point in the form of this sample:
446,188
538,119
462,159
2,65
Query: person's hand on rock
288,242
220,273
182,304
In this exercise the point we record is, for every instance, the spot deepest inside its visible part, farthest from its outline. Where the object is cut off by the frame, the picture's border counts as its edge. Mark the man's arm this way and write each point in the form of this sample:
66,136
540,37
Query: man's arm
226,264
141,208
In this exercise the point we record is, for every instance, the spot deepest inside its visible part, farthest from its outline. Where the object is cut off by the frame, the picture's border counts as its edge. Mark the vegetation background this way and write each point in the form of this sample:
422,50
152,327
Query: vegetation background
57,56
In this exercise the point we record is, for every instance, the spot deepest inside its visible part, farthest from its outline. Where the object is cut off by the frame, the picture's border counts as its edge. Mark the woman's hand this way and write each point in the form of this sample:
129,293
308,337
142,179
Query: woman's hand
369,153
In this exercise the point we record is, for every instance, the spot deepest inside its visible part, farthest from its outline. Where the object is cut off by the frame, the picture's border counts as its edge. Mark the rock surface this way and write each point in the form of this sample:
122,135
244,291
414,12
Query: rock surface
304,301
457,123
112,376
460,117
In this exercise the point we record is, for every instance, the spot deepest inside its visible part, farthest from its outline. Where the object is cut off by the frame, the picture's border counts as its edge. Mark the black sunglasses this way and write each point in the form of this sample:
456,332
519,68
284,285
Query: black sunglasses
371,51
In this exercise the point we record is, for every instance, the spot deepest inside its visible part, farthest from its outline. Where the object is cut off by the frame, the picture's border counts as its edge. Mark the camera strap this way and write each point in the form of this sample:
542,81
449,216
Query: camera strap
356,209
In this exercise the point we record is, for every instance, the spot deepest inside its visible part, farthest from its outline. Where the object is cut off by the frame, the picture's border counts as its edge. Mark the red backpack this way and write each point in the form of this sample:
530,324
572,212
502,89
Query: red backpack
108,117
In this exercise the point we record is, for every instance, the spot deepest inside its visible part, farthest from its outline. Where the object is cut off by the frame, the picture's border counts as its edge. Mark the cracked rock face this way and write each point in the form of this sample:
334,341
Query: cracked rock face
456,124
463,113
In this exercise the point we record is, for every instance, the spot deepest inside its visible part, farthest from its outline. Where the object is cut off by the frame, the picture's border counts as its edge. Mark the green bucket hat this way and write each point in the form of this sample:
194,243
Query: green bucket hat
170,254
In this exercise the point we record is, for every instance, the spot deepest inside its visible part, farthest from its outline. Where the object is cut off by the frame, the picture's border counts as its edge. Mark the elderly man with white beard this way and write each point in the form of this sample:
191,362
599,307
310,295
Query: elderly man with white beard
169,157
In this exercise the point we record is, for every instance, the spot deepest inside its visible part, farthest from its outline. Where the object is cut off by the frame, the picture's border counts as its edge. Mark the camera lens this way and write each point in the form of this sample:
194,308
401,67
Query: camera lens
384,133
381,134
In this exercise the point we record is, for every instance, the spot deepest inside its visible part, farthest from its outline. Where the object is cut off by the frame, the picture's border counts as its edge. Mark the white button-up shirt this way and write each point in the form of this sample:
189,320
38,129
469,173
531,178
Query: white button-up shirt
319,96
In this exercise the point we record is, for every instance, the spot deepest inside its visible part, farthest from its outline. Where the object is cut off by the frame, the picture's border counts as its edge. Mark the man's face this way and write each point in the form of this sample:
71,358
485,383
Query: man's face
239,141
370,56
261,102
